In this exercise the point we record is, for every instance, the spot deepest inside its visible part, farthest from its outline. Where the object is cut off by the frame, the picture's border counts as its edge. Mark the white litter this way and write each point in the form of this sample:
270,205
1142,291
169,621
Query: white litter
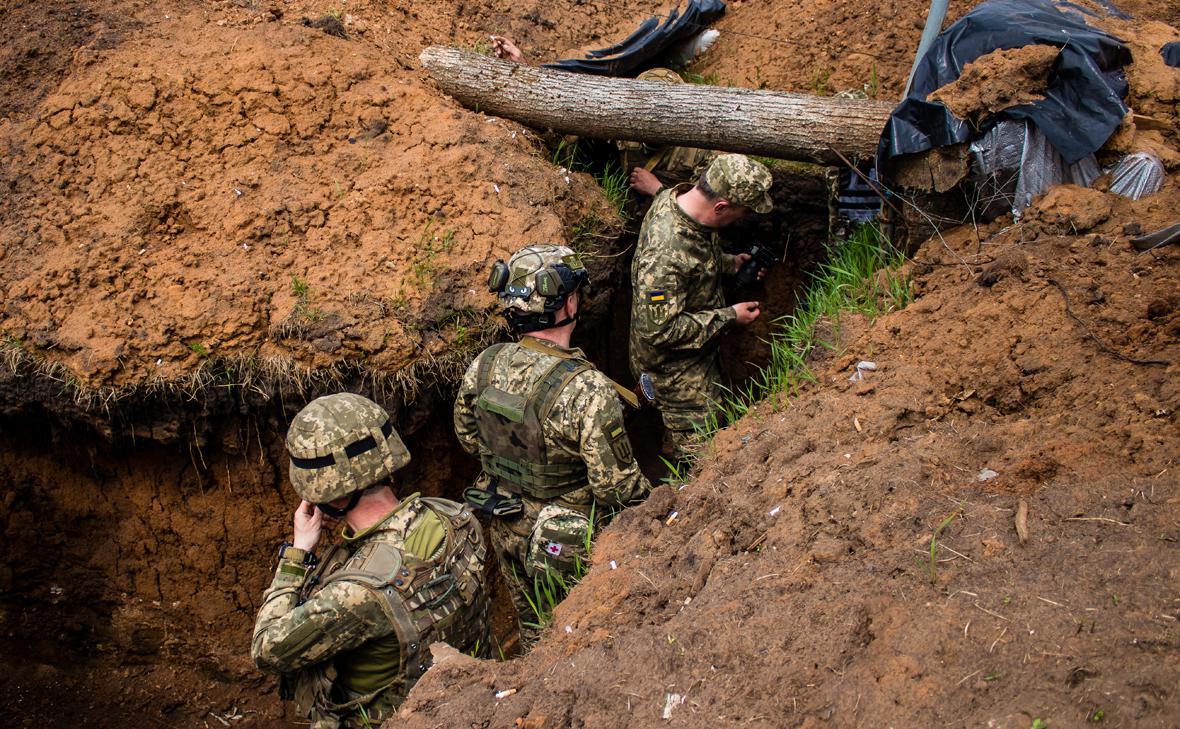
986,475
671,701
776,510
505,693
613,566
862,367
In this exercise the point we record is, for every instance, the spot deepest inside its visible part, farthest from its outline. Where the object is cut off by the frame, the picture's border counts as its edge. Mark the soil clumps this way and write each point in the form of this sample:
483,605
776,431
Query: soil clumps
210,197
798,584
997,81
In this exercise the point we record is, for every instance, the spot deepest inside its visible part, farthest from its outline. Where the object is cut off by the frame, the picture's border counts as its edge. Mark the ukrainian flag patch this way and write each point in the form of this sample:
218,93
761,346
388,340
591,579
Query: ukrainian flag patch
657,297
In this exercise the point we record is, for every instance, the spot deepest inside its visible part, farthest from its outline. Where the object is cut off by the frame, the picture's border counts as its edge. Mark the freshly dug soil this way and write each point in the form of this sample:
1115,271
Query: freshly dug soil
997,81
205,191
790,582
306,203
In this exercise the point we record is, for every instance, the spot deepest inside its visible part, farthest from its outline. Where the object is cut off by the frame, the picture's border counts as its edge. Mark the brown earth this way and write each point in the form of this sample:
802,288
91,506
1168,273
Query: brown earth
209,188
789,583
139,538
997,81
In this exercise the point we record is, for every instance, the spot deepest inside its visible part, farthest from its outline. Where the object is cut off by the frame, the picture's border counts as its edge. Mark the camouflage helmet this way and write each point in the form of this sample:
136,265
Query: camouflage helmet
666,75
537,278
741,180
342,443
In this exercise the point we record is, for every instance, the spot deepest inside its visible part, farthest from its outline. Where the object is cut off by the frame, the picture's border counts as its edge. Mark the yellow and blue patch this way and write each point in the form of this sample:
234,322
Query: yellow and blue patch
657,297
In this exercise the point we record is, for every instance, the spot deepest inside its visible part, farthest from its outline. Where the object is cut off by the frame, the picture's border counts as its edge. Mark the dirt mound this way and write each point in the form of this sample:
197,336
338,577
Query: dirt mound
269,193
997,81
1154,92
820,46
793,582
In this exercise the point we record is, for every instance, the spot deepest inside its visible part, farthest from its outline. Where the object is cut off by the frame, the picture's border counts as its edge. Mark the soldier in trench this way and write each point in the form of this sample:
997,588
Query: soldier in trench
678,310
547,427
348,633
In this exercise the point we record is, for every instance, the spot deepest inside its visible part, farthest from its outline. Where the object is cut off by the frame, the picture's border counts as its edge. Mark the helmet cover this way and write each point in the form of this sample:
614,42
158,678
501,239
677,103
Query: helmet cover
342,443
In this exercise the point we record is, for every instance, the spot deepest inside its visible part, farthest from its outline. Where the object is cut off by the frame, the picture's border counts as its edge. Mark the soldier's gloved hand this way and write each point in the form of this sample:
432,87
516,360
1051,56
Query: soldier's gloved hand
308,523
747,311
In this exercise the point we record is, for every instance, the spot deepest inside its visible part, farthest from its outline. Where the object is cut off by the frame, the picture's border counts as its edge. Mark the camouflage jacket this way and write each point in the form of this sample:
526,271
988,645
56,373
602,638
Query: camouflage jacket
310,621
671,165
677,304
586,421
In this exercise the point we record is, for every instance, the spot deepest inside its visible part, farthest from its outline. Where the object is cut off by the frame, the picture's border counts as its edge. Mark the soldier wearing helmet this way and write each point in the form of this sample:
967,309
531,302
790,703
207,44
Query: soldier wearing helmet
678,310
546,426
349,632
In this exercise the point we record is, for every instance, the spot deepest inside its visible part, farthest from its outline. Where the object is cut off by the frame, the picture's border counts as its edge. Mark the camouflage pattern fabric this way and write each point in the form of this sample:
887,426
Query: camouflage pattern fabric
558,542
671,165
334,633
342,443
678,313
586,422
523,267
741,180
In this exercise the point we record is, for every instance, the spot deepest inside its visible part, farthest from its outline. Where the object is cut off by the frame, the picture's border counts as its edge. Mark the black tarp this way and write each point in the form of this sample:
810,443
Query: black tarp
1171,53
639,50
1083,102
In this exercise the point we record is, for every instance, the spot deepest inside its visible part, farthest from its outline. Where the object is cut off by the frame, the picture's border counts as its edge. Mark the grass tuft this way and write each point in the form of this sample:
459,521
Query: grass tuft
861,276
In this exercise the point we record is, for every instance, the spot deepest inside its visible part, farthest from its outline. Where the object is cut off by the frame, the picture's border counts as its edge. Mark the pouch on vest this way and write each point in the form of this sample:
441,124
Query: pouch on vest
558,542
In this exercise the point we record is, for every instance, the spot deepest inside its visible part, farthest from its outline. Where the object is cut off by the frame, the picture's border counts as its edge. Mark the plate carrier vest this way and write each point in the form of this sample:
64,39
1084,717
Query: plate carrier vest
443,598
513,450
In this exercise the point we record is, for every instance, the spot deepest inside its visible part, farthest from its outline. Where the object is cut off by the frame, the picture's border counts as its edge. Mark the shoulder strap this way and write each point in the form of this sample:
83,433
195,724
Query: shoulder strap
483,375
627,395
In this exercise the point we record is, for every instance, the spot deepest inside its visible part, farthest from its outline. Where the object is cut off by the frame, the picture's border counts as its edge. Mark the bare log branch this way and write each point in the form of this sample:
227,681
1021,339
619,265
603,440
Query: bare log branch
768,123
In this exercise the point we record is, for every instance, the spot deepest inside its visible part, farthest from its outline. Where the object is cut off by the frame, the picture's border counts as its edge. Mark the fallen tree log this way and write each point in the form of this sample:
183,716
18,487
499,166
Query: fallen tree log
769,123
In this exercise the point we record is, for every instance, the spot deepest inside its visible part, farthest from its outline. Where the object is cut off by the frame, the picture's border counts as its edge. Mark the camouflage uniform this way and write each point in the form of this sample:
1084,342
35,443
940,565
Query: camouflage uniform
349,636
583,429
678,309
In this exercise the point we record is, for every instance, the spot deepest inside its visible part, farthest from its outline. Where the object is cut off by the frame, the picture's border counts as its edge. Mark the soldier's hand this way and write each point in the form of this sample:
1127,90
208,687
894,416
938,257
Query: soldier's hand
645,182
747,311
740,259
503,47
308,523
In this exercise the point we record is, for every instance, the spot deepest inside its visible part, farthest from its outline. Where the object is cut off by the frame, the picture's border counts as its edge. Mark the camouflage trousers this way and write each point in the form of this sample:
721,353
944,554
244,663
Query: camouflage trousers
687,398
545,537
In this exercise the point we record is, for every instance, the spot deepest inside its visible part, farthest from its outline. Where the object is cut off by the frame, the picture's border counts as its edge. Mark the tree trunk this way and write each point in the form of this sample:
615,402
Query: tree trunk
767,123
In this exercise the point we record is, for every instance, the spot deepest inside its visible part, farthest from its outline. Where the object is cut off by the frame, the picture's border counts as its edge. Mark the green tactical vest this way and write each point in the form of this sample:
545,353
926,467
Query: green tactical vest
513,450
442,597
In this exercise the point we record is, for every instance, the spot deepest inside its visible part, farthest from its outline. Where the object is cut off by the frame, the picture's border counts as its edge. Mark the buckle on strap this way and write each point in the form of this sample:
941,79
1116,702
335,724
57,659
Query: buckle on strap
493,504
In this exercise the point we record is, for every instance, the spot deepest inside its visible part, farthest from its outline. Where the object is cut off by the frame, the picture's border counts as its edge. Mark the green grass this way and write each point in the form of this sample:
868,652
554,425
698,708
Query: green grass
199,349
693,77
616,185
932,564
426,251
861,277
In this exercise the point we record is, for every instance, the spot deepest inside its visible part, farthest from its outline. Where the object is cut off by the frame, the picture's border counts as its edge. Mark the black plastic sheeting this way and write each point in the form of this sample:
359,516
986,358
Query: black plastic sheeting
1083,102
1171,53
637,52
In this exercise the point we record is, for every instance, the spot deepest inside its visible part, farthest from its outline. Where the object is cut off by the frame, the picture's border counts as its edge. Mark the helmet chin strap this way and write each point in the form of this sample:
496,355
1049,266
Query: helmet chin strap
567,320
338,512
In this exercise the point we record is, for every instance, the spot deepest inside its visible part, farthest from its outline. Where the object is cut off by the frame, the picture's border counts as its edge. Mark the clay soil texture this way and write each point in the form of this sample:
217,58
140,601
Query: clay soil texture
213,211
